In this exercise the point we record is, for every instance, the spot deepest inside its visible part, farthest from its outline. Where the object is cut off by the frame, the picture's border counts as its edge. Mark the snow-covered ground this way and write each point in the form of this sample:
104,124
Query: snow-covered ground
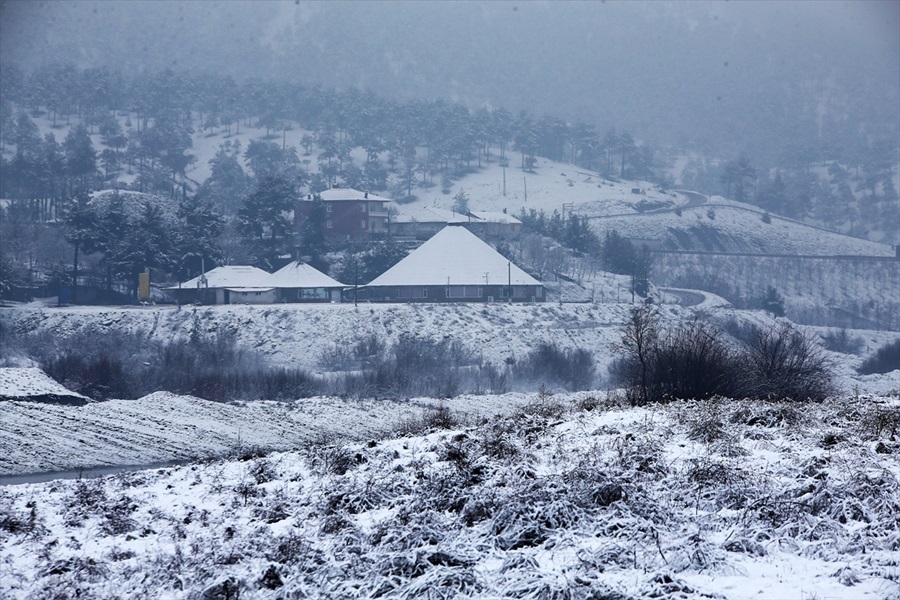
719,225
302,334
29,383
573,496
521,495
164,427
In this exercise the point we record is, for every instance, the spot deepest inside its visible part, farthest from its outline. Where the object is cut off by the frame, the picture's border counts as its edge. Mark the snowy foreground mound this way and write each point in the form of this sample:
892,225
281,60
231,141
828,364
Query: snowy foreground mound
574,496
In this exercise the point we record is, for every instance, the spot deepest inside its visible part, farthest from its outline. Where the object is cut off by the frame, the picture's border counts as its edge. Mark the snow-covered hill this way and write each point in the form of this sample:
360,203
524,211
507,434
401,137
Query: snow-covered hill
637,209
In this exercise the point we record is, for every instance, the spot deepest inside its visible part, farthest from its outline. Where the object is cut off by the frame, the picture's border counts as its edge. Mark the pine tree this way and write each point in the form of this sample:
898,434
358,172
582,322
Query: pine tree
196,241
81,158
82,227
773,302
263,221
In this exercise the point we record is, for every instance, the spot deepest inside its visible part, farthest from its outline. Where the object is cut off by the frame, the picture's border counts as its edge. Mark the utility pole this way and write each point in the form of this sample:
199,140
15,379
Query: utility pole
525,181
633,267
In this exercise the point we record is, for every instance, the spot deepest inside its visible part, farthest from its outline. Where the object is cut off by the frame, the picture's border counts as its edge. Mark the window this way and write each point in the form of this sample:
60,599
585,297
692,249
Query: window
363,225
328,208
329,224
464,291
412,292
504,292
363,207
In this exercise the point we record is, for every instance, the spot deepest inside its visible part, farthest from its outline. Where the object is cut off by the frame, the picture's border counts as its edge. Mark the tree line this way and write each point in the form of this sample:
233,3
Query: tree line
615,253
162,110
848,188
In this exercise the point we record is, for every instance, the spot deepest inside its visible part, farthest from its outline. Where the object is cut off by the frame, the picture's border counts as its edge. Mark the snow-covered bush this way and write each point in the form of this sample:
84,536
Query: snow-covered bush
550,365
783,363
885,359
694,360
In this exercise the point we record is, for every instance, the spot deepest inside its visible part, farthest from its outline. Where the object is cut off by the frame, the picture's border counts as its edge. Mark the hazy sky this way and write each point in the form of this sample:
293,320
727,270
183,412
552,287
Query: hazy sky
684,71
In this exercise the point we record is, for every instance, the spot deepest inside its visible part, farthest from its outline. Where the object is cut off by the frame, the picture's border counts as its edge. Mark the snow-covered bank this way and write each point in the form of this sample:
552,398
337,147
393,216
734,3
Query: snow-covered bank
300,335
37,437
163,427
34,385
718,499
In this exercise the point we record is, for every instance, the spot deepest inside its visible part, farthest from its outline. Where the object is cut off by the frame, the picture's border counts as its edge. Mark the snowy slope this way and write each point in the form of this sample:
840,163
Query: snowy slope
161,427
721,226
681,502
32,384
299,335
552,186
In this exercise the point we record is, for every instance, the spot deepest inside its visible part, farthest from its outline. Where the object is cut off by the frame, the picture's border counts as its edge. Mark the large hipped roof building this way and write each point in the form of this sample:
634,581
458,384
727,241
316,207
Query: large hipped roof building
454,266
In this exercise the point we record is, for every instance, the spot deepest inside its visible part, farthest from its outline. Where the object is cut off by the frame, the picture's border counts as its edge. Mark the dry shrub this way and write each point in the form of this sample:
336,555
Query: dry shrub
532,515
693,361
841,341
572,369
885,359
781,363
544,405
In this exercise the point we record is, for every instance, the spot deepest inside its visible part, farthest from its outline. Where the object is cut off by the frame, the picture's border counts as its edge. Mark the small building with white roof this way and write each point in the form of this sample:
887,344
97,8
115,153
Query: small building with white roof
494,222
427,221
454,265
230,284
424,222
299,282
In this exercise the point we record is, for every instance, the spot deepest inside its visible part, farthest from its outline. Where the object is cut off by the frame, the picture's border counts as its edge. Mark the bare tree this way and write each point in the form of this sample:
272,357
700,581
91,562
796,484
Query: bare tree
640,338
783,363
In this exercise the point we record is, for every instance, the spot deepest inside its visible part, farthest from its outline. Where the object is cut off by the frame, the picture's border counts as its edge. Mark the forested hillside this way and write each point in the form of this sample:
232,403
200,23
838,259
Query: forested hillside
216,164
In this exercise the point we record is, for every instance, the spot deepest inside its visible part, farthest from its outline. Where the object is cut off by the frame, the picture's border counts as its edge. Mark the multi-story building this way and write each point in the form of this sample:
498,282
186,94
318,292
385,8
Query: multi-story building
349,213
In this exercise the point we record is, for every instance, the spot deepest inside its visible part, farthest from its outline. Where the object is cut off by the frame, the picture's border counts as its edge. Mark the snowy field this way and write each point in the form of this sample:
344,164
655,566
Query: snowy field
573,496
520,495
165,427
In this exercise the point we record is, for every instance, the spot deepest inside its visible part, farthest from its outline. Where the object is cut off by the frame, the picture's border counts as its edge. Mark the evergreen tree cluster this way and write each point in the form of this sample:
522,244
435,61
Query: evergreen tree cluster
616,253
133,235
163,109
857,195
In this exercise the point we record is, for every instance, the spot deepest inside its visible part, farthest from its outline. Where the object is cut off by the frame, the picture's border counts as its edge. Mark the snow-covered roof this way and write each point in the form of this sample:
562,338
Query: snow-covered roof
430,214
300,275
230,276
338,194
495,217
33,384
454,256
